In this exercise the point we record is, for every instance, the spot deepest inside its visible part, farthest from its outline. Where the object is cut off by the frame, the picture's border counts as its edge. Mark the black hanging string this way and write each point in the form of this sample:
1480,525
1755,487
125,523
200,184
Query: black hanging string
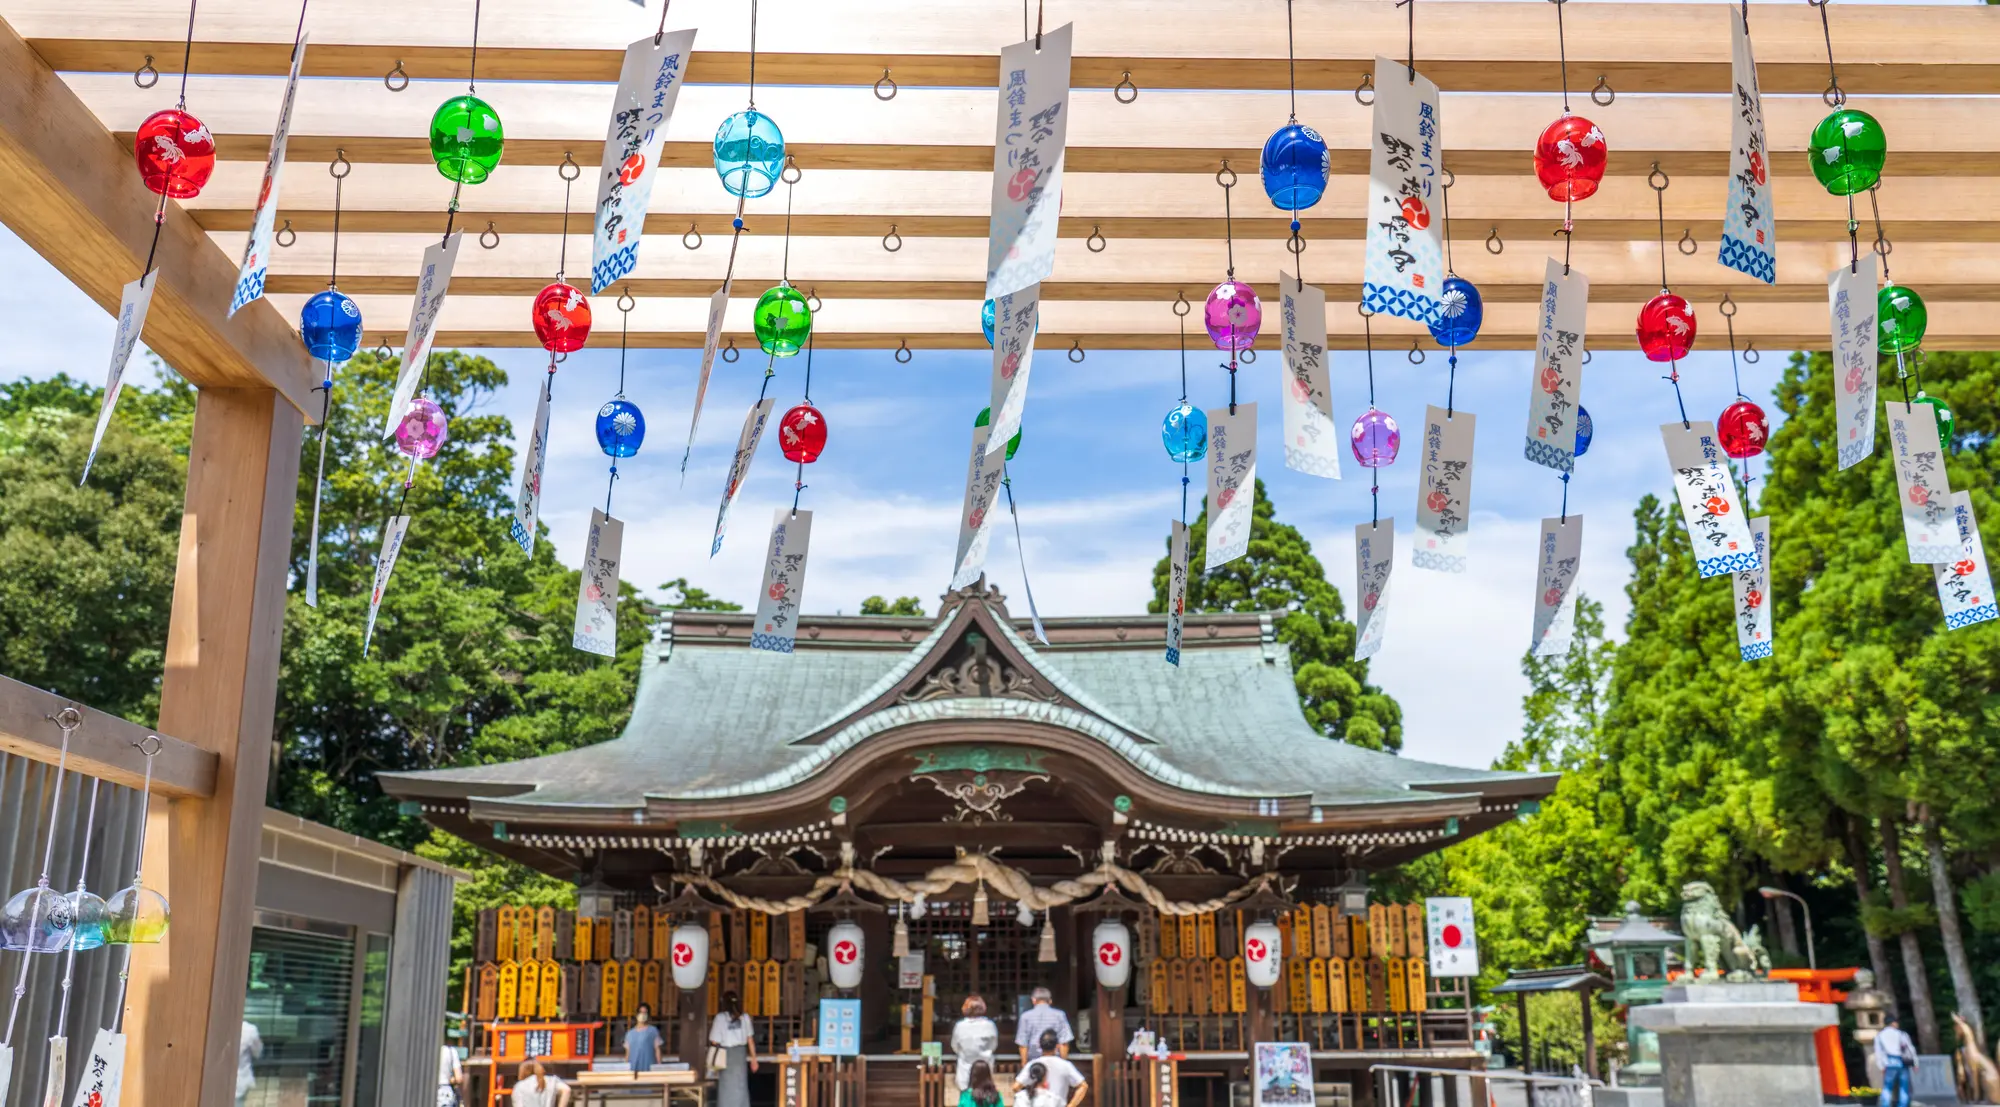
799,481
1451,378
1728,310
1181,310
753,55
1038,26
1412,56
159,224
1660,198
187,53
1853,238
1229,244
1833,96
1562,54
662,32
1882,245
562,250
1374,473
1292,60
298,32
472,73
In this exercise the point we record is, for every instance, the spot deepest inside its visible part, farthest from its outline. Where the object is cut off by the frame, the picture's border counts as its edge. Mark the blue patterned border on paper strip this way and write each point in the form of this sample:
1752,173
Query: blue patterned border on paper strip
776,643
1541,453
1756,651
1727,563
1173,656
1939,554
1444,563
1402,302
1745,258
1983,613
1852,453
522,538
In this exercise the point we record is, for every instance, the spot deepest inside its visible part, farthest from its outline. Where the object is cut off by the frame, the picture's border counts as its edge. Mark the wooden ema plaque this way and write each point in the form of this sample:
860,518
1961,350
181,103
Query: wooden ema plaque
1341,944
1323,917
504,949
1357,985
510,990
590,988
1415,972
642,933
1317,997
732,977
1190,927
739,936
760,936
621,934
792,990
663,934
774,989
1359,947
608,986
528,1002
486,941
586,942
1239,987
1161,992
1337,998
1414,929
1170,937
628,988
487,1007
1398,994
524,933
1181,999
565,936
753,989
1205,934
649,987
1378,984
795,936
1200,999
718,939
1378,930
568,1000
1298,984
602,939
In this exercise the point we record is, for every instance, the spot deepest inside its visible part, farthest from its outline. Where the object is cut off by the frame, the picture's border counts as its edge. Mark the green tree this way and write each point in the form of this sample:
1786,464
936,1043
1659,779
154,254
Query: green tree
1281,575
904,605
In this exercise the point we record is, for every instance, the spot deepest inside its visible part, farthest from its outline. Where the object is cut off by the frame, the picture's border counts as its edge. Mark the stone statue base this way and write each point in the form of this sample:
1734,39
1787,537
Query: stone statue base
1737,1045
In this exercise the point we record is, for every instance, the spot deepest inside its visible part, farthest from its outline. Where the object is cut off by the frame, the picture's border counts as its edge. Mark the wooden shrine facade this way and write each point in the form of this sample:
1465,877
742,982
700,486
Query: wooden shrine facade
947,777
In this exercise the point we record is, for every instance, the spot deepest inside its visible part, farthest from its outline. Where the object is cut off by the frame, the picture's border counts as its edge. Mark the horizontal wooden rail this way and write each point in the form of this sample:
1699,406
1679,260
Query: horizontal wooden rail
104,746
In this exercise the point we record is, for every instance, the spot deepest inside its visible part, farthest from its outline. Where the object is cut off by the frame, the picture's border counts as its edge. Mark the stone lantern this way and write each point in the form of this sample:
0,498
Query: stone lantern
1871,1013
1638,953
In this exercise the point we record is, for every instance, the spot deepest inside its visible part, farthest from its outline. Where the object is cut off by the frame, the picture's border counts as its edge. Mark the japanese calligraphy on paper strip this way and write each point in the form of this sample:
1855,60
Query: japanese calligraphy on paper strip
1029,141
1556,391
975,516
784,588
1928,525
256,264
433,281
392,547
1312,444
1749,233
1558,557
1014,320
1717,531
528,502
1851,298
1374,557
1754,625
1444,491
1232,482
649,82
596,628
1403,269
133,304
1965,586
1177,584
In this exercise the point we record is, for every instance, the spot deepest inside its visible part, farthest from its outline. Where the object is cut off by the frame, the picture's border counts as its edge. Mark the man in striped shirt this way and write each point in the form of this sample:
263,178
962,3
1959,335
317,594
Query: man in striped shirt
1042,1016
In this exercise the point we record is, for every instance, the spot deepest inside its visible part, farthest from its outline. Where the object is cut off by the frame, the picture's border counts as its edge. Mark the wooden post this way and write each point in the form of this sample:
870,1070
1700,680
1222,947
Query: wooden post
1110,1020
220,693
1589,1035
1263,1016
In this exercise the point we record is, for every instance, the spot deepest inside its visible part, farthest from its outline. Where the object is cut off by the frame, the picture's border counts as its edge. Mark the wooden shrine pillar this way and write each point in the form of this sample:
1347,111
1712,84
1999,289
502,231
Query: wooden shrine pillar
220,693
1262,1024
691,1022
1109,1022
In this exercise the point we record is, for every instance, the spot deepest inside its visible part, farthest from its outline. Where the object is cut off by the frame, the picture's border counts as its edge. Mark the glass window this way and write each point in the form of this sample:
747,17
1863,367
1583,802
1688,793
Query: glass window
370,1011
298,1002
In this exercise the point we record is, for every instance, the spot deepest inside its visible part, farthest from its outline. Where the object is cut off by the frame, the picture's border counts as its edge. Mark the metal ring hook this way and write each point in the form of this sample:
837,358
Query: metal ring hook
892,235
1364,311
1076,354
886,80
146,76
489,233
69,718
286,235
569,170
1609,94
626,301
1364,93
813,302
1883,247
903,354
1586,355
391,78
150,745
1751,353
730,353
1727,307
1297,245
1834,96
1181,305
1123,86
1095,243
1231,173
693,234
1416,354
339,167
1687,244
1494,243
1450,178
1247,356
1659,175
382,350
791,174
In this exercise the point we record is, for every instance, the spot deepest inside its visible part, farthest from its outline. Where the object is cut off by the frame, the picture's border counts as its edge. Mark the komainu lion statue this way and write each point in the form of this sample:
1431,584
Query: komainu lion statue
1715,948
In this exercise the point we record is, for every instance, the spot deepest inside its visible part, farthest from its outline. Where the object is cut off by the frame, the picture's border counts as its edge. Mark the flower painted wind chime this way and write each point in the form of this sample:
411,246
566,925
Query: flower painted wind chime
749,151
330,327
1184,432
176,155
561,320
621,430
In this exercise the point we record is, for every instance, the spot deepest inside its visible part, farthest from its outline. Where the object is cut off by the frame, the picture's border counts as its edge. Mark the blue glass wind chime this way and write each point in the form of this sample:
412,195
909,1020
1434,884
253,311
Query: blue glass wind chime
330,327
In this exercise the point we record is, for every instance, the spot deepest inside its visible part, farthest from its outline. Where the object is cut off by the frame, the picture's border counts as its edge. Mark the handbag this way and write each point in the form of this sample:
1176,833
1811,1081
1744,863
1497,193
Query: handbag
718,1058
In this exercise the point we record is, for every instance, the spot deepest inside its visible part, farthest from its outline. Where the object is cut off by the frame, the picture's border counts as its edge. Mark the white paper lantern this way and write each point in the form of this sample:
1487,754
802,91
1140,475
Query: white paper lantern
1113,942
1262,948
690,956
844,948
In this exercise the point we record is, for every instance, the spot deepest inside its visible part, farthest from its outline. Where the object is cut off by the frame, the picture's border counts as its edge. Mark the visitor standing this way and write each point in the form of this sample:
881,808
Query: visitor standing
451,1076
249,1047
534,1087
735,1036
1066,1085
642,1044
979,1089
1897,1055
1043,1015
1035,1091
973,1039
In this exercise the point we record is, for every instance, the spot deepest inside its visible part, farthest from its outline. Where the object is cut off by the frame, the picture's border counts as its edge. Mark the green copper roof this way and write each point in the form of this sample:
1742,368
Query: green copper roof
714,719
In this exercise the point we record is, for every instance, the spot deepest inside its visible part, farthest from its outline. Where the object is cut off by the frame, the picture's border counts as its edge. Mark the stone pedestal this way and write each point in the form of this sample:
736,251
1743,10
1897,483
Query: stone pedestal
1627,1097
1737,1045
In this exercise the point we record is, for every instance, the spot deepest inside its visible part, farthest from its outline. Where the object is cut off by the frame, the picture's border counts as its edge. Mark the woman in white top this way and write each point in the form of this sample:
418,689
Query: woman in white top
973,1039
451,1076
736,1036
534,1087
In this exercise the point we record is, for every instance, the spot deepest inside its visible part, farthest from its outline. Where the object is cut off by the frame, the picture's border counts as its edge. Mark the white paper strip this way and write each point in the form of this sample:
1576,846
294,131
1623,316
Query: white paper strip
596,629
257,249
1014,318
58,1074
433,280
1749,234
777,626
1374,558
1444,491
1920,478
1556,391
312,548
1557,559
1754,626
1965,586
1717,530
1232,483
717,305
1851,296
1312,445
1029,142
103,1082
739,466
528,502
1403,269
133,304
975,515
1020,550
649,82
392,547
6,1071
1177,585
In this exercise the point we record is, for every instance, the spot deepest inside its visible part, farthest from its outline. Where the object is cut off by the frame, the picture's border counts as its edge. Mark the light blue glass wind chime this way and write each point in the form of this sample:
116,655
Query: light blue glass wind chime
330,327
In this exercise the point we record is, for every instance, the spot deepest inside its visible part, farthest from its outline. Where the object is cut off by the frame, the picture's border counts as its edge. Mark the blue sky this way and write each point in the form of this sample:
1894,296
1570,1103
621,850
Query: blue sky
1096,490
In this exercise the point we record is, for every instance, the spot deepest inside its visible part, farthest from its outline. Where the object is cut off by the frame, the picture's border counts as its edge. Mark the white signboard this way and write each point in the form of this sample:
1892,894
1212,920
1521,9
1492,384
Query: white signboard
1403,267
1029,142
1312,444
1453,942
649,82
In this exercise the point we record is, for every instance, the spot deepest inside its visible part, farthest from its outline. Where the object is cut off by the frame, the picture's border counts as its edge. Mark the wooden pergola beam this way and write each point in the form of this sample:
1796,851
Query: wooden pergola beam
104,746
70,190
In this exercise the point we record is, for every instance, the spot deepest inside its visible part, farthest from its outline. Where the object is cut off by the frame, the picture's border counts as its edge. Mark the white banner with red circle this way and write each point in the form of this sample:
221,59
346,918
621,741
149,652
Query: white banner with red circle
1453,941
